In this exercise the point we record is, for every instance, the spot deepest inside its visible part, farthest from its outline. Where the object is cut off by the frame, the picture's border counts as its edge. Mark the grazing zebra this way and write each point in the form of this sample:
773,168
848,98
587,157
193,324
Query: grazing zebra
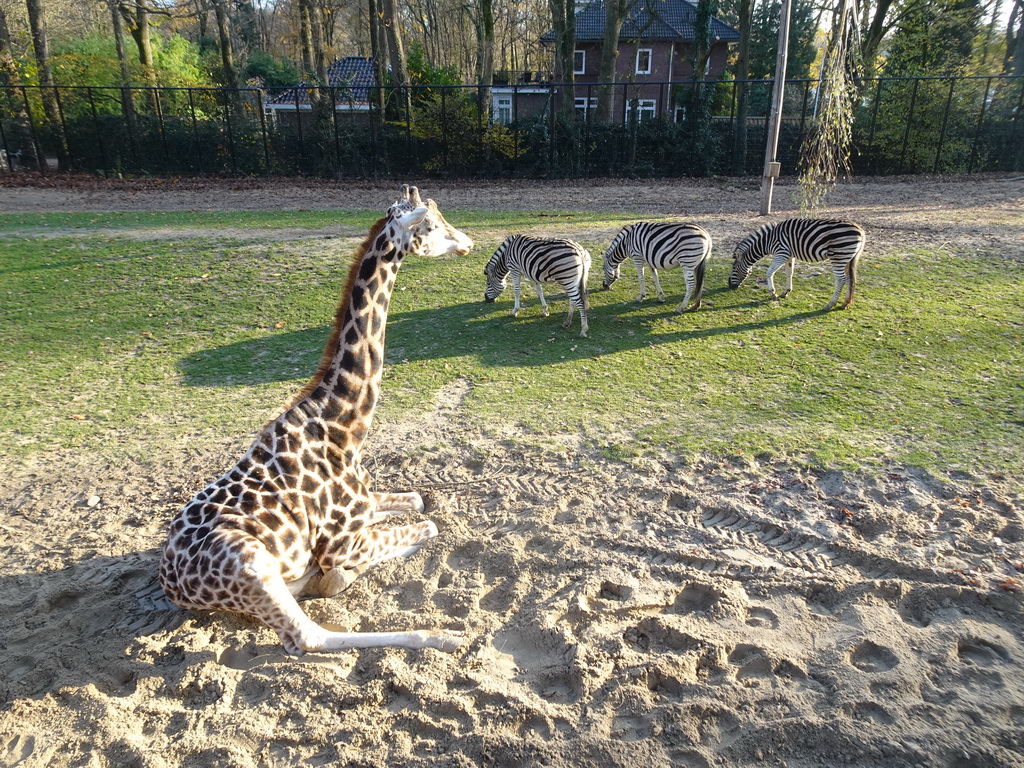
661,246
841,242
541,260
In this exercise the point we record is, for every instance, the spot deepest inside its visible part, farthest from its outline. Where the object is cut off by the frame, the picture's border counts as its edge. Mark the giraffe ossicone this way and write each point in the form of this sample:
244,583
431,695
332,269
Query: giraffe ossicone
296,515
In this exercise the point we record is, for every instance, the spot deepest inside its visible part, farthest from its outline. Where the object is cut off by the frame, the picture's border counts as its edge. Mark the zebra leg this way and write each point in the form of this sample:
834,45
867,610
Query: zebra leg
839,278
777,263
851,279
789,278
657,285
690,281
640,279
583,317
540,295
516,286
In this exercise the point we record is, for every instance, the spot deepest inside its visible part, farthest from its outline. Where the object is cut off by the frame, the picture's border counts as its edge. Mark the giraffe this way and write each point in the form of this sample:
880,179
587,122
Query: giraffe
296,516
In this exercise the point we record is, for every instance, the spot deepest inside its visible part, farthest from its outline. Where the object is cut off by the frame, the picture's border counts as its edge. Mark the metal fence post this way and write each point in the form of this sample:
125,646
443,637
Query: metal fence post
910,120
942,130
99,135
195,130
981,123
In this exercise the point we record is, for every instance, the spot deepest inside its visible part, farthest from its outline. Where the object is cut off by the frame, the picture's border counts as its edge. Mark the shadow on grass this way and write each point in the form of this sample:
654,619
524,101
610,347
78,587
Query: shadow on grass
485,331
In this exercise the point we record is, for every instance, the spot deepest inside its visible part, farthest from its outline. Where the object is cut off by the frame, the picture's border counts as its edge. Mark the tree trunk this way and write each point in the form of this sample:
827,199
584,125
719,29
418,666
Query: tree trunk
615,15
378,50
396,54
700,113
1013,61
872,37
122,60
18,140
485,55
563,17
41,47
139,28
306,37
227,50
739,148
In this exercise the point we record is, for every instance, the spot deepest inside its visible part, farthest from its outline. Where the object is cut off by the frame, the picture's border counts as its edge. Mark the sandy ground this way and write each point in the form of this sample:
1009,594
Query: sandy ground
657,613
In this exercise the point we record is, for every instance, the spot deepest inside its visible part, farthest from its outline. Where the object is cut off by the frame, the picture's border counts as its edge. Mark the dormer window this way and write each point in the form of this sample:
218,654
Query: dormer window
643,61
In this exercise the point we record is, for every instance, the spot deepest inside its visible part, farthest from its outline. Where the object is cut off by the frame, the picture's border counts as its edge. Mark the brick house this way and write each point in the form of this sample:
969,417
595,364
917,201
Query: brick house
655,57
352,78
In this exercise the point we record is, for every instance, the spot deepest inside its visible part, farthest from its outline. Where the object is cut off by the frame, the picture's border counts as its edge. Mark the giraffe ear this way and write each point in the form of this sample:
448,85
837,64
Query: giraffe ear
412,218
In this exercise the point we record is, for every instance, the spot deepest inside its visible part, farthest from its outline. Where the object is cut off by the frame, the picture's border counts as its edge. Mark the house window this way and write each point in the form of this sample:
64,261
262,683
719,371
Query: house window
579,62
641,109
503,109
583,106
643,61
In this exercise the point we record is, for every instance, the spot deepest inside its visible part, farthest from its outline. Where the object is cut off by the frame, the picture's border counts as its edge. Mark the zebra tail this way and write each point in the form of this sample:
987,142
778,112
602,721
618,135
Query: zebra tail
851,279
698,273
584,291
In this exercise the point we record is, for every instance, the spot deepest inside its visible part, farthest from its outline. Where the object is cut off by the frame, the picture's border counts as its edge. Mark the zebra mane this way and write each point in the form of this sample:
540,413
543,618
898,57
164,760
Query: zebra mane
747,242
616,254
498,263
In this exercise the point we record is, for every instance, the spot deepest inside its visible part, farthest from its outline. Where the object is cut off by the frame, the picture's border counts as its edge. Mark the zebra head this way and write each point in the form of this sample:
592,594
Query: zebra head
742,261
496,273
429,234
613,258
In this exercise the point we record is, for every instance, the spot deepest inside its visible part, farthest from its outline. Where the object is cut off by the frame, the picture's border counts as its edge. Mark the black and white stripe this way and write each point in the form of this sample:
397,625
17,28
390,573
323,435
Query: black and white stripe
541,260
840,242
661,246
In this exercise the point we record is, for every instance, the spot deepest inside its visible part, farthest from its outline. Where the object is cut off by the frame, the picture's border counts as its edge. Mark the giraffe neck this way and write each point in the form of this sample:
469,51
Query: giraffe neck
344,392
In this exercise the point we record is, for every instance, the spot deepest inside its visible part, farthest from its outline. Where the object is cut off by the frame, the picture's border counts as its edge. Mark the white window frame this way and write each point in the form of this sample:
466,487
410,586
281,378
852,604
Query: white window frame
582,68
503,109
646,109
583,107
650,61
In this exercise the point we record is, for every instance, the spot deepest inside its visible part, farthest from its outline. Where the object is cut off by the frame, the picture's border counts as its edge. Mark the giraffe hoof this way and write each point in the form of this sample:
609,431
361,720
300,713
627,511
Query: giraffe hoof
447,641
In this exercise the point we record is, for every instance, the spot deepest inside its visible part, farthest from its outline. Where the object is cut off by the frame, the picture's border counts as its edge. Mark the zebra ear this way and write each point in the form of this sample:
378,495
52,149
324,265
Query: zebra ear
412,218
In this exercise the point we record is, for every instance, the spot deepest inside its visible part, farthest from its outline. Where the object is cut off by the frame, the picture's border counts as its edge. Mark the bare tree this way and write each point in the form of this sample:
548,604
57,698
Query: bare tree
485,53
227,49
563,17
614,16
127,101
41,47
739,153
1013,61
396,51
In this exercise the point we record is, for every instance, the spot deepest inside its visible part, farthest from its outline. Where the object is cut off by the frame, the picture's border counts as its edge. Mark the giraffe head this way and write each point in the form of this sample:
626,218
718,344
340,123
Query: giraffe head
421,228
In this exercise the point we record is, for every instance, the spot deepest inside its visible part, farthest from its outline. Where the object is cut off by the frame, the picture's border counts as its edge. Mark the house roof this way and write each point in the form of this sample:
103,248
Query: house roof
353,76
647,20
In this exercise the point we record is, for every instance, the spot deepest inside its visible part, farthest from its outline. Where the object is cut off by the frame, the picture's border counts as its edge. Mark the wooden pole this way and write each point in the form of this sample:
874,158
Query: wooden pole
771,166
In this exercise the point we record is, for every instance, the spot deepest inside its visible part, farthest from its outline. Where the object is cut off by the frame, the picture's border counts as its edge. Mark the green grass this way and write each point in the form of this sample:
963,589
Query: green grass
114,338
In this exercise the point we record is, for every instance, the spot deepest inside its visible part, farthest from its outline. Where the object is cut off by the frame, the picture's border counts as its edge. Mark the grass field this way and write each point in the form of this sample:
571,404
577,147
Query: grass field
130,330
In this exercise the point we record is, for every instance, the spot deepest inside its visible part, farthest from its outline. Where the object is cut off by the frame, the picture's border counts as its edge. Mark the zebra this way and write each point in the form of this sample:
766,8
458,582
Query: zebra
841,242
542,260
661,246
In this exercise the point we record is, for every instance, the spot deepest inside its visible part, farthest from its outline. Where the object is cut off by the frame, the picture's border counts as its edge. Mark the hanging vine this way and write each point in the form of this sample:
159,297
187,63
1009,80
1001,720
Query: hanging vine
825,154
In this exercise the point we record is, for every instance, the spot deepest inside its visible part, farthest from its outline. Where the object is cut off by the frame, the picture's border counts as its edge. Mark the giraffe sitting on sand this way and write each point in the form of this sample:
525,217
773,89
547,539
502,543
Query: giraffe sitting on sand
298,504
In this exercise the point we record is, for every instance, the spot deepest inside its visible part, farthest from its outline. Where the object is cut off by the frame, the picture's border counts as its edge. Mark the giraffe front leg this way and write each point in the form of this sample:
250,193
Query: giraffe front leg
388,504
372,547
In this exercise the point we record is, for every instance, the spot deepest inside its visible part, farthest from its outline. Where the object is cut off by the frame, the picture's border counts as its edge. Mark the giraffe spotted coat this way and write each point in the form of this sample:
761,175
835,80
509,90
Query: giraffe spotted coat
296,512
